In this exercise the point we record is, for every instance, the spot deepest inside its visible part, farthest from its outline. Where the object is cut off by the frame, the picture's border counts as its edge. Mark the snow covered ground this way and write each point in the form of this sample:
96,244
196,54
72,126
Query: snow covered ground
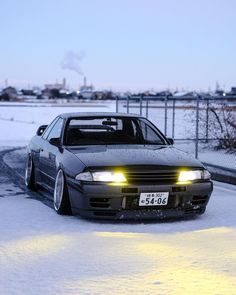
209,155
45,253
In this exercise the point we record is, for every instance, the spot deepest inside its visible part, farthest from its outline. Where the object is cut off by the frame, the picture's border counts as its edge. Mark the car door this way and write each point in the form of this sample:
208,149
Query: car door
48,155
38,148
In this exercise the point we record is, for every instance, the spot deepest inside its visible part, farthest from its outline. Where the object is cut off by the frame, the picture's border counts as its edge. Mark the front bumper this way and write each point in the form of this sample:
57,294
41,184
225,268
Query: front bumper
121,202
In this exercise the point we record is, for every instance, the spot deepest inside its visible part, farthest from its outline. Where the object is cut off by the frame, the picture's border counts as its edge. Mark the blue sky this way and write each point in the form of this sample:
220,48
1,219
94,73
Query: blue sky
127,44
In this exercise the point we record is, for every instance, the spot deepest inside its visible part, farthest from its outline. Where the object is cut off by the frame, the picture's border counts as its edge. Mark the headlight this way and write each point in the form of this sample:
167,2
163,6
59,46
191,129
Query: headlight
84,176
103,176
188,176
109,176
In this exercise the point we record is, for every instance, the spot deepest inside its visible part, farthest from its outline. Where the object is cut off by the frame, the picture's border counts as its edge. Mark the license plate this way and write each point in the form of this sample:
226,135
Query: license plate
153,199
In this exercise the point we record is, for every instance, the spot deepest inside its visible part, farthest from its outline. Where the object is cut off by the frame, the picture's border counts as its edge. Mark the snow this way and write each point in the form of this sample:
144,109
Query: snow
219,158
45,253
209,155
19,124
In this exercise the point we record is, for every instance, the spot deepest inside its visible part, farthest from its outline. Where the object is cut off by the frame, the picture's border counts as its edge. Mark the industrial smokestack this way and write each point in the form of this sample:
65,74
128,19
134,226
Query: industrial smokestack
64,83
85,81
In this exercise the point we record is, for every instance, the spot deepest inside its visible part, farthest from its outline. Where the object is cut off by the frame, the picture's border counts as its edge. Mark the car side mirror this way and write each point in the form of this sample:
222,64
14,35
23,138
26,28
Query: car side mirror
170,140
55,141
41,129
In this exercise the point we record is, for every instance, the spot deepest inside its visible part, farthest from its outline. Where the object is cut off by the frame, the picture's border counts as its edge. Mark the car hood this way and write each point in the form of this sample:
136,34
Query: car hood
135,155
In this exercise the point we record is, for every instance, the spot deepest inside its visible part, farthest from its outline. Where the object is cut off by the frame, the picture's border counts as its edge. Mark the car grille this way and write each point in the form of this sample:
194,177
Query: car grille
155,177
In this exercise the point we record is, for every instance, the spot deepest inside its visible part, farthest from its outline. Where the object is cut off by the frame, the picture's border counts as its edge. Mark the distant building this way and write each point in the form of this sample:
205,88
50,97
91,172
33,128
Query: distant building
9,93
58,86
233,91
185,94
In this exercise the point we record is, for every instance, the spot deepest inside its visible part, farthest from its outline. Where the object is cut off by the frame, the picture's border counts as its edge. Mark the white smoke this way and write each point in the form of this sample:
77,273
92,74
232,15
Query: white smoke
71,61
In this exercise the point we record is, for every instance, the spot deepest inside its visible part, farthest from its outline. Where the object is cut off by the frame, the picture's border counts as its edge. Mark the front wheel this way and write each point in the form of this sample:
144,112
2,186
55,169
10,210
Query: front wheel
30,174
61,198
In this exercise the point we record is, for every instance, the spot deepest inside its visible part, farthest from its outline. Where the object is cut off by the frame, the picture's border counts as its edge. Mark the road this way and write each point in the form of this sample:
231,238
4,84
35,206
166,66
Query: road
45,253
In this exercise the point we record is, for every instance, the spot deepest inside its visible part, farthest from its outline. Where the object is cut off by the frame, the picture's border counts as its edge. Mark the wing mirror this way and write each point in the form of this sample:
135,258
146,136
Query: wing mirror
170,140
41,129
55,141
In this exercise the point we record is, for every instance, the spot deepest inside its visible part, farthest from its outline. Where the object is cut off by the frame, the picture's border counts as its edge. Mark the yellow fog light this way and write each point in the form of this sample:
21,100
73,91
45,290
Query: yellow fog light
119,177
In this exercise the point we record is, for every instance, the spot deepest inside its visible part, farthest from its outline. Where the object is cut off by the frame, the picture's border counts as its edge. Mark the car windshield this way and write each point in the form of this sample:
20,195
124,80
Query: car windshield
111,130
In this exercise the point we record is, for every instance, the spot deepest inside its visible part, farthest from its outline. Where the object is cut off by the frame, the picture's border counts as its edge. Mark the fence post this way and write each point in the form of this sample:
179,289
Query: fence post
127,104
207,120
146,107
166,97
173,119
117,102
197,126
141,105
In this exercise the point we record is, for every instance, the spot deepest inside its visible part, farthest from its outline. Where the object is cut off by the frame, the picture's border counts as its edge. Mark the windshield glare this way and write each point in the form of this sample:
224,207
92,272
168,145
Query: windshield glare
110,130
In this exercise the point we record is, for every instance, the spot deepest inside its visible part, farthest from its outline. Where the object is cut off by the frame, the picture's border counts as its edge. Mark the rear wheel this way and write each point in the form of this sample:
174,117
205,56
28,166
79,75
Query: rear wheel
30,174
61,198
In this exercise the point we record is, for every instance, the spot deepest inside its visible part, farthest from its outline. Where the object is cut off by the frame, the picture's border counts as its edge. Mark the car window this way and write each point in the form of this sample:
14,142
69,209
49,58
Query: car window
56,130
149,135
49,128
110,130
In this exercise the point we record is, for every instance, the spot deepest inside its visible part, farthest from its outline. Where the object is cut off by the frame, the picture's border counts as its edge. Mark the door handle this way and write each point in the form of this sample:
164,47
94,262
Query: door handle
41,150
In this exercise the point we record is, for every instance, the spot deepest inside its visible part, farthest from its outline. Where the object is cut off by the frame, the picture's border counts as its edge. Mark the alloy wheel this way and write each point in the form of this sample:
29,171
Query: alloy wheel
58,190
28,170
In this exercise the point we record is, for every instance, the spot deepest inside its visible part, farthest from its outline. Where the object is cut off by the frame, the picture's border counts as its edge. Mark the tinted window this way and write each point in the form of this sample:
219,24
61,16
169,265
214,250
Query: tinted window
49,128
149,135
111,130
56,130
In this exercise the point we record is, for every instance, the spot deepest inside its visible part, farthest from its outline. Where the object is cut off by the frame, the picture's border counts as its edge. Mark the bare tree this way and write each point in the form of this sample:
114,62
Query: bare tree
217,125
222,125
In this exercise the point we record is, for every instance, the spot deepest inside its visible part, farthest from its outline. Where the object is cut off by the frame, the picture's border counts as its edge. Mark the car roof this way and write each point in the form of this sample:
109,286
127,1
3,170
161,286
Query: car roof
97,114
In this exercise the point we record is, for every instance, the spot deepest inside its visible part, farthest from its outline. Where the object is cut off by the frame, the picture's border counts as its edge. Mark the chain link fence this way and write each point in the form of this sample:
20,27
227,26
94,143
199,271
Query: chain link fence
205,127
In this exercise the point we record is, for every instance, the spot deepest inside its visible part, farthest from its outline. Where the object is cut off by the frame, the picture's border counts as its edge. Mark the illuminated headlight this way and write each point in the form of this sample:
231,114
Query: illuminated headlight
109,176
103,176
188,176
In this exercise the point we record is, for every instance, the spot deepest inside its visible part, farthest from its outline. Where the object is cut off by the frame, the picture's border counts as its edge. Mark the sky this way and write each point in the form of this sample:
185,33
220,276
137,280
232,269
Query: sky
122,44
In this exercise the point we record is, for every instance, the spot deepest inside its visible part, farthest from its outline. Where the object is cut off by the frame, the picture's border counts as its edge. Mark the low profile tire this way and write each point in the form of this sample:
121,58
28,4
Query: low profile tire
61,198
203,210
30,174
